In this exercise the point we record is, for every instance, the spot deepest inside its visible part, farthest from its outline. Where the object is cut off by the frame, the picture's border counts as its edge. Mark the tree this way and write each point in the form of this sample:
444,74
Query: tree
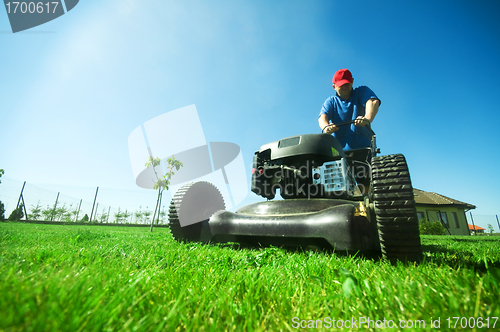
66,213
162,183
122,216
2,211
17,214
127,214
85,218
2,207
145,215
62,213
162,216
35,211
490,229
104,216
74,213
119,217
49,213
138,215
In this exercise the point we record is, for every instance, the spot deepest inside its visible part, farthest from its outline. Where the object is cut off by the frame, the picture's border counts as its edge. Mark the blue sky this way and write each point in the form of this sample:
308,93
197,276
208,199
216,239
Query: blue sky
73,89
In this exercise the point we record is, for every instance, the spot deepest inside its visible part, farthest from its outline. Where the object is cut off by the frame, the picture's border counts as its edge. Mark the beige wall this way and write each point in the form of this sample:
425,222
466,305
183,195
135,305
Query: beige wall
431,214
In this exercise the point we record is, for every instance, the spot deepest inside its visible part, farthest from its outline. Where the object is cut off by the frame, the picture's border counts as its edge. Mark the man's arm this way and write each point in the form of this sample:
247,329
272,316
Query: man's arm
371,110
325,125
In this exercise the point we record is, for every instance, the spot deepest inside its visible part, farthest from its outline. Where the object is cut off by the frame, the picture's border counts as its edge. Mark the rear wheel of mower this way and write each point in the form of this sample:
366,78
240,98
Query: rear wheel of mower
395,212
192,204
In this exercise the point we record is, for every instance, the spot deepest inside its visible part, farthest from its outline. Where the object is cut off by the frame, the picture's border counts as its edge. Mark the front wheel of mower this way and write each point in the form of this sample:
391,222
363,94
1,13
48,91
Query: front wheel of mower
191,205
395,212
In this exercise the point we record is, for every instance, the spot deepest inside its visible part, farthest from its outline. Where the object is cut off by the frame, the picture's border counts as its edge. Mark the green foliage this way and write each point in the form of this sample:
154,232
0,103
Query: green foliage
17,213
64,213
70,278
138,215
85,218
2,207
49,213
163,214
490,229
60,213
104,217
74,213
431,228
142,215
163,183
2,211
55,213
121,217
35,212
146,214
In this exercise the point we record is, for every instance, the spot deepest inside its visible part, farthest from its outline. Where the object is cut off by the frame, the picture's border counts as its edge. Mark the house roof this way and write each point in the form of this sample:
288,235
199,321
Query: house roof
471,227
429,198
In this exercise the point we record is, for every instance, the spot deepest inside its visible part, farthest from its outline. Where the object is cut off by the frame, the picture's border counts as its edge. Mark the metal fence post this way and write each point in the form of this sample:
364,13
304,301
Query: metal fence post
96,211
78,212
24,208
93,205
472,219
54,209
20,195
21,198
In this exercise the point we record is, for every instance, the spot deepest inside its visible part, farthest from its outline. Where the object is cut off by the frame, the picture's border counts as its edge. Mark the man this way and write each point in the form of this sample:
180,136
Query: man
360,104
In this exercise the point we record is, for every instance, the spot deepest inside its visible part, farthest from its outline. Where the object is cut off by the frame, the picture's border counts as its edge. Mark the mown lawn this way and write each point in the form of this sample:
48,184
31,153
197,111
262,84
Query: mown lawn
97,278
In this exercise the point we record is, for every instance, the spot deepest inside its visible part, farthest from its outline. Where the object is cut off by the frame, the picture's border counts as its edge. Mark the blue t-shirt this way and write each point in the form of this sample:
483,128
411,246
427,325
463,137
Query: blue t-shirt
339,110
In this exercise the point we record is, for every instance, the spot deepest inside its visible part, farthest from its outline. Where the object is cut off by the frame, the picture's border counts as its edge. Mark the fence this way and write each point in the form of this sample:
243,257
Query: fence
71,204
113,206
490,223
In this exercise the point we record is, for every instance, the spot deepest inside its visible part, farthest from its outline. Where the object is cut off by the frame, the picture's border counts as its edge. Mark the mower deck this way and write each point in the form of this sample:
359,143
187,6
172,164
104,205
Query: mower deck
326,223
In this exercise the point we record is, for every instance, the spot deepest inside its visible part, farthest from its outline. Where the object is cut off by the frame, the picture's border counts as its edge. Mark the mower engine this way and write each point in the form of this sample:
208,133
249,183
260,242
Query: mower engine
305,166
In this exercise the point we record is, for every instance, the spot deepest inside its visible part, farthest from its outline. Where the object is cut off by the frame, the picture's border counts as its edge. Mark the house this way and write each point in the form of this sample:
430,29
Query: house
435,207
476,229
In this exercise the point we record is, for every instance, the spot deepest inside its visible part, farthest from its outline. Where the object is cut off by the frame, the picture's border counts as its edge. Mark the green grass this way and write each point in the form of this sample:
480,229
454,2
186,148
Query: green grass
90,278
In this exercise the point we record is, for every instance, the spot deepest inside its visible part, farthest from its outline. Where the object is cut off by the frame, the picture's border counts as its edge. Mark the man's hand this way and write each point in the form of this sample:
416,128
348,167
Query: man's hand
361,121
330,128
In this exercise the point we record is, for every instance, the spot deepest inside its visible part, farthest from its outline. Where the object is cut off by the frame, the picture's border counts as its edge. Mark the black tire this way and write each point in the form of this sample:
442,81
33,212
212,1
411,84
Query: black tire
394,206
193,203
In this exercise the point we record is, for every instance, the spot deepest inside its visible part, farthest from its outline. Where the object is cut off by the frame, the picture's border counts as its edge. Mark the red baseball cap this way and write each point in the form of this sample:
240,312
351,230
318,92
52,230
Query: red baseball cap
342,77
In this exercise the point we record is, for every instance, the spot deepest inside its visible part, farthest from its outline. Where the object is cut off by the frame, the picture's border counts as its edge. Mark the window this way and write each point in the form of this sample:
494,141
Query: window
455,219
420,216
444,219
432,216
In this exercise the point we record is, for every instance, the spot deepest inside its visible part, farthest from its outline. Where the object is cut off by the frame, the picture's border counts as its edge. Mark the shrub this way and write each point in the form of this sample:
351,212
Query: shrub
431,228
2,207
17,214
2,211
35,212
